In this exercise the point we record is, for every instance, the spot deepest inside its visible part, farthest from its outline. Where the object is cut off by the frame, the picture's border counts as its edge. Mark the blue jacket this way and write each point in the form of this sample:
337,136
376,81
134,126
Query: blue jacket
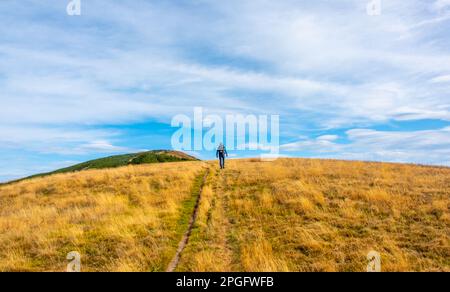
221,152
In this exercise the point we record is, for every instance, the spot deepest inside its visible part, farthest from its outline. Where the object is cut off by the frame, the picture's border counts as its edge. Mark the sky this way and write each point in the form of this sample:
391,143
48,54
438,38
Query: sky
346,85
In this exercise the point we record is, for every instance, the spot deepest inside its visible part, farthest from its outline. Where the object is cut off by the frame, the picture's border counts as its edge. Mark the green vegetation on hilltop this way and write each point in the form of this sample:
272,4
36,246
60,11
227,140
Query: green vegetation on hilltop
159,156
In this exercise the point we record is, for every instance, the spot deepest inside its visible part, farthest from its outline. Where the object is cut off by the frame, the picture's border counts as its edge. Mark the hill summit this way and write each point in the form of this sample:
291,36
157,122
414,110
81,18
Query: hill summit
147,157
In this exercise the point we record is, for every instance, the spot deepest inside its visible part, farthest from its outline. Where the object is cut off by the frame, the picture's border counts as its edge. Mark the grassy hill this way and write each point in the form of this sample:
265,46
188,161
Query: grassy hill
286,215
158,156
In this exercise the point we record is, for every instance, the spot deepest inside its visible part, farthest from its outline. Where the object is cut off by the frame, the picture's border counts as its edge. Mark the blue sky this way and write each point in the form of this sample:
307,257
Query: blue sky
346,85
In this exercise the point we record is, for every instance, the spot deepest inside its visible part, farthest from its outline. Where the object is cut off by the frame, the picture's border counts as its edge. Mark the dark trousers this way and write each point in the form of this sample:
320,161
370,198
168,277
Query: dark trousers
222,160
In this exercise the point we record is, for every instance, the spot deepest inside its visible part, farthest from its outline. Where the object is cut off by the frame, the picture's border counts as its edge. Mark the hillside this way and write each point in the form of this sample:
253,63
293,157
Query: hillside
286,215
148,157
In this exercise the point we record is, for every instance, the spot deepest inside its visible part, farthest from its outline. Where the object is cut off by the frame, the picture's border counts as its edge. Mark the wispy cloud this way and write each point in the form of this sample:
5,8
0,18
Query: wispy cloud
441,79
441,4
393,146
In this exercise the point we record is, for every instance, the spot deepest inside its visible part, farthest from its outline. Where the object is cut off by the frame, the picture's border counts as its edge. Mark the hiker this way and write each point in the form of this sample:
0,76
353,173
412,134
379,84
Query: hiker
221,152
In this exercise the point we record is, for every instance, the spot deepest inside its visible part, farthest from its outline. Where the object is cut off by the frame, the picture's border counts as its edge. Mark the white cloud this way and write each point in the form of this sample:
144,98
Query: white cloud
53,140
102,146
425,147
257,146
155,79
441,79
328,138
27,134
441,4
317,145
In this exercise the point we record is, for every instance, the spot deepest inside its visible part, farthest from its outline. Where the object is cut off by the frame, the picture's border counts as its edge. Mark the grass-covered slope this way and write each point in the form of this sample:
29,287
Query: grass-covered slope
285,215
118,219
158,156
318,215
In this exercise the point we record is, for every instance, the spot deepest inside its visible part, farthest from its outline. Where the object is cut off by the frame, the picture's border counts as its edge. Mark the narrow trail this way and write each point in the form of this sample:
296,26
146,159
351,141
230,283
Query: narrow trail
225,244
185,240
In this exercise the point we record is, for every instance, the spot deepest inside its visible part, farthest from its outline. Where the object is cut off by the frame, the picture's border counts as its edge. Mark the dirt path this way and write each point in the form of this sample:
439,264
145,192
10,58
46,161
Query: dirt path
185,240
224,244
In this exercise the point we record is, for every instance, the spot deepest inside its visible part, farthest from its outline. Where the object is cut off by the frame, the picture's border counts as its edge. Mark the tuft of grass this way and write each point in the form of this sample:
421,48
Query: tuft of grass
258,256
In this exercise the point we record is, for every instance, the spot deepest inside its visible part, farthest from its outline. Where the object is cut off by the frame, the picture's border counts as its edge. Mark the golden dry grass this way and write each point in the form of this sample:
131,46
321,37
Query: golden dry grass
287,215
208,250
125,219
312,215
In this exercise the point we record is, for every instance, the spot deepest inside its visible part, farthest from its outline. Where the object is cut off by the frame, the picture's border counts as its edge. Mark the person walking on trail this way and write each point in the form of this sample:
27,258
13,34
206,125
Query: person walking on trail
221,153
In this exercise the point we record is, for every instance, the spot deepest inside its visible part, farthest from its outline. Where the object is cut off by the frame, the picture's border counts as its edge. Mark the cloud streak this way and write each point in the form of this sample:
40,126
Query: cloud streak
391,146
